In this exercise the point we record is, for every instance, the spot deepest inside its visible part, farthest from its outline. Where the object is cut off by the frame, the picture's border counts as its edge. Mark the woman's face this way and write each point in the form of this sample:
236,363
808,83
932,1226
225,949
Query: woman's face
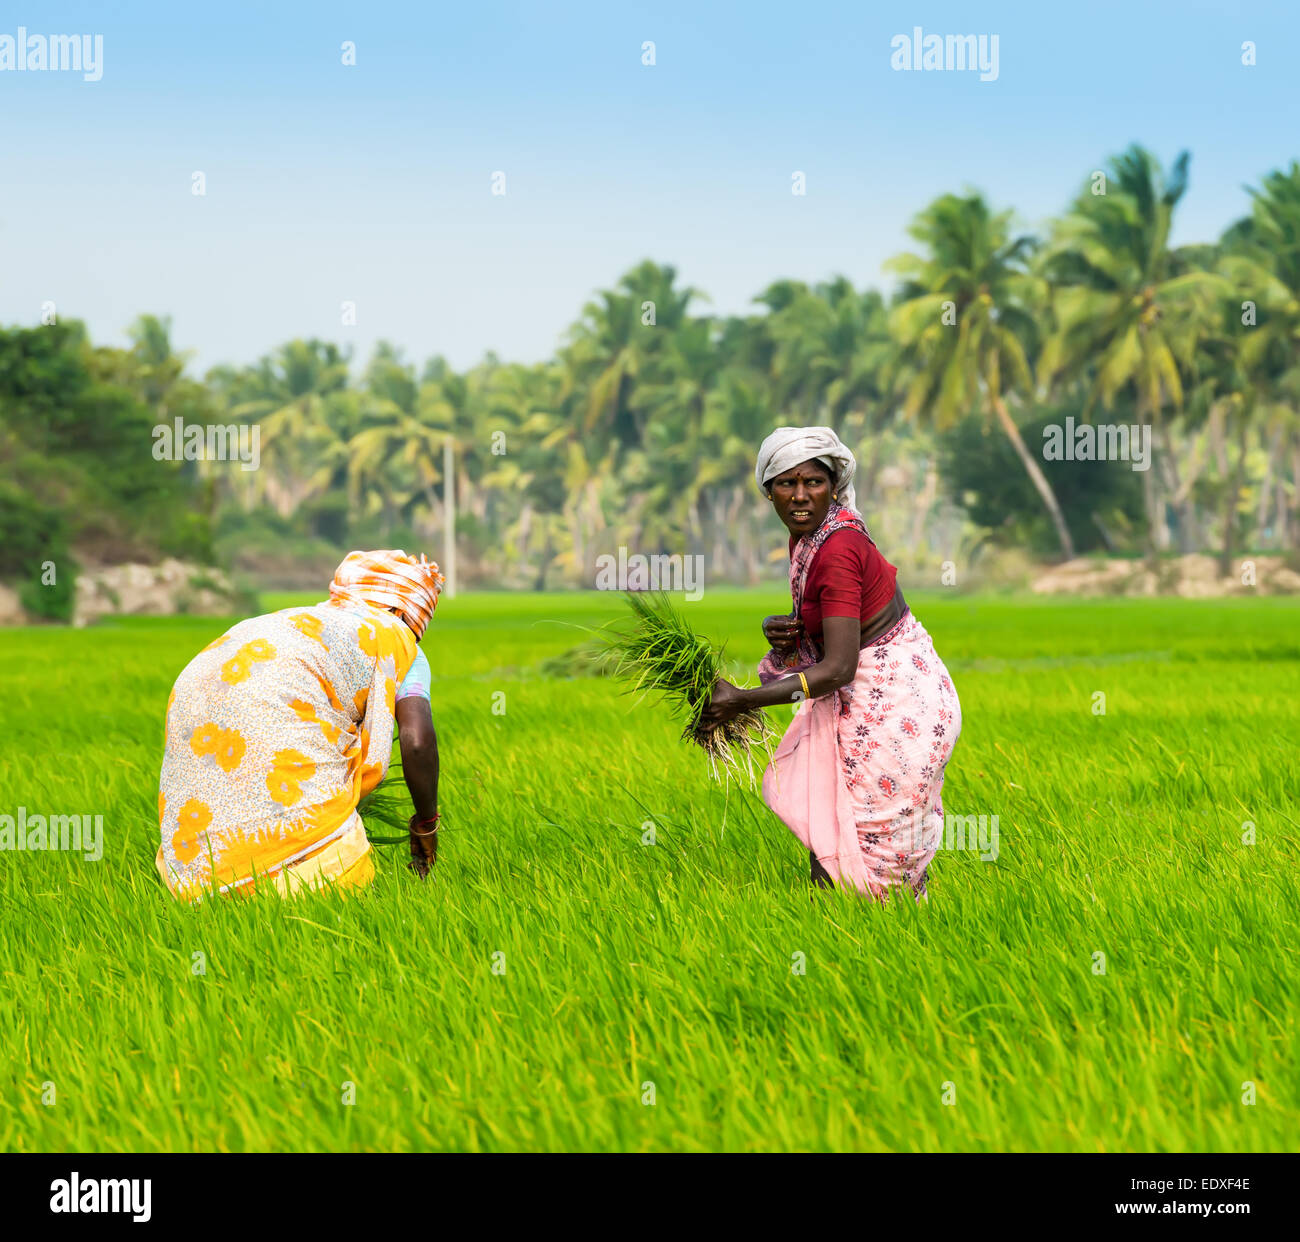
801,497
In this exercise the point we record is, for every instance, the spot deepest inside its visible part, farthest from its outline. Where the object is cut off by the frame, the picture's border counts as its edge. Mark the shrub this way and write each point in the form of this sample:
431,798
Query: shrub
33,536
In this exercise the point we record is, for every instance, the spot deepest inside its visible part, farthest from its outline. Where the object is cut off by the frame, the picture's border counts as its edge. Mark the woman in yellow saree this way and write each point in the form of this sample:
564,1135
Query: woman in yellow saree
278,729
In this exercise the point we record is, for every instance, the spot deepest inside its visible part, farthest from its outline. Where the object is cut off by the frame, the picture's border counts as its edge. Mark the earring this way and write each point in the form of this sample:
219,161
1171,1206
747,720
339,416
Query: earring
835,495
769,495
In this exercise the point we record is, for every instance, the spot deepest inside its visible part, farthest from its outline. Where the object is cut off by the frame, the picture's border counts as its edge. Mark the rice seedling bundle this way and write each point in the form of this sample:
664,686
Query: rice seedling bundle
660,653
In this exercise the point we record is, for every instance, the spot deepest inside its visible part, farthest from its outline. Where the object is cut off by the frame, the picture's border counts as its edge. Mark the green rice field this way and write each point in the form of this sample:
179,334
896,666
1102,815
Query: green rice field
1122,977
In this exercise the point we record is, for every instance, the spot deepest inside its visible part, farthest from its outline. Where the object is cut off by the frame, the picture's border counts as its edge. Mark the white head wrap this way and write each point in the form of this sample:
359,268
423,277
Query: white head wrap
786,447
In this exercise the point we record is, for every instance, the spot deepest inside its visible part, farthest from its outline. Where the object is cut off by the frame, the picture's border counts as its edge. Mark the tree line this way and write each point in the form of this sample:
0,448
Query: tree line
641,430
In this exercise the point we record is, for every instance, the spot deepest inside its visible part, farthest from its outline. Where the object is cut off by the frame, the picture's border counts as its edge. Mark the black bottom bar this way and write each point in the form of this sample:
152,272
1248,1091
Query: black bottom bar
338,1191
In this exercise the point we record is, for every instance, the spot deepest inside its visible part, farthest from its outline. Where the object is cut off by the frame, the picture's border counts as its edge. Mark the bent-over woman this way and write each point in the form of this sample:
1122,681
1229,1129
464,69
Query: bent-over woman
278,729
858,776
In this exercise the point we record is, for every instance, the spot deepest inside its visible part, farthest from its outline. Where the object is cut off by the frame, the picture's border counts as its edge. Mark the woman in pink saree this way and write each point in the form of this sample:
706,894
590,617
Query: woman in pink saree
858,776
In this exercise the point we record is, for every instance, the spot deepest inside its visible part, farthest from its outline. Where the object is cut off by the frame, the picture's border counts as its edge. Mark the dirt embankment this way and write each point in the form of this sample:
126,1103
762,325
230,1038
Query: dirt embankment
167,589
1192,577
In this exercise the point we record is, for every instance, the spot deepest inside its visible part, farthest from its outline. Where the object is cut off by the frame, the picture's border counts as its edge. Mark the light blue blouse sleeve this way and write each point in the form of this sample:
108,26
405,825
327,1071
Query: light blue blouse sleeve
418,678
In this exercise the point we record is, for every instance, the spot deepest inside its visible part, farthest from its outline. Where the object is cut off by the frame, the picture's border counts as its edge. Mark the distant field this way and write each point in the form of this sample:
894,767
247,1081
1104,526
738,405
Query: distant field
670,964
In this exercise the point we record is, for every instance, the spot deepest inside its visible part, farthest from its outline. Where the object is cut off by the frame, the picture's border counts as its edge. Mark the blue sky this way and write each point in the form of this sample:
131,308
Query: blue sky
371,183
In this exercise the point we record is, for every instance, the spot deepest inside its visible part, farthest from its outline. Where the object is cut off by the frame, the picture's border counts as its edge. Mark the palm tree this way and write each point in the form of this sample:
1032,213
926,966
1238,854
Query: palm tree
158,369
737,416
298,396
671,466
832,347
392,456
964,322
1129,310
446,403
615,344
1262,262
523,485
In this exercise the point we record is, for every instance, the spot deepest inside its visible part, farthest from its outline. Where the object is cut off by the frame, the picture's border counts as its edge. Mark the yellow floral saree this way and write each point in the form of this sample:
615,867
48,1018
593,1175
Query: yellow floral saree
274,734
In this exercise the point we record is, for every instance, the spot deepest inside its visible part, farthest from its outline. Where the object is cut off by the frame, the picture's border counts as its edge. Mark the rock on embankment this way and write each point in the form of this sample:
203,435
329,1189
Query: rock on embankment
161,590
11,609
164,590
1192,577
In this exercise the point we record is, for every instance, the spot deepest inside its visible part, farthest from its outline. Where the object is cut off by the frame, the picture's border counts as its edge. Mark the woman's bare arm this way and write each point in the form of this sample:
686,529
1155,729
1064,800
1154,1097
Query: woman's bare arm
419,745
836,668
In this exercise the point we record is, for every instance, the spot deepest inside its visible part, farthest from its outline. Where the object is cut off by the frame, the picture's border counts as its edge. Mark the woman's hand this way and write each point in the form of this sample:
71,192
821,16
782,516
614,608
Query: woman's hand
727,703
783,633
424,845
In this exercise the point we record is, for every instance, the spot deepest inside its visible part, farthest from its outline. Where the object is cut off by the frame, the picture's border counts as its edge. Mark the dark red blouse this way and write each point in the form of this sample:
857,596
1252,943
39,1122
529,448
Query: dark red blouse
849,578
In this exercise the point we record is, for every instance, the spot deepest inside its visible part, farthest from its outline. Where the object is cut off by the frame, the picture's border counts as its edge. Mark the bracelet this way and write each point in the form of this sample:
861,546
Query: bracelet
413,825
804,681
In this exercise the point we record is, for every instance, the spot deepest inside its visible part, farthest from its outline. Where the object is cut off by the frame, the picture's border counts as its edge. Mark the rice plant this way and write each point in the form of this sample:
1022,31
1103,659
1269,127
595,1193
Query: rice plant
1119,834
388,805
660,653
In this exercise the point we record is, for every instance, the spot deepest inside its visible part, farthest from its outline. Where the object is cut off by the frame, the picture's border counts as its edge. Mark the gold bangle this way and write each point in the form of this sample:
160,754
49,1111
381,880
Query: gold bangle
413,826
804,681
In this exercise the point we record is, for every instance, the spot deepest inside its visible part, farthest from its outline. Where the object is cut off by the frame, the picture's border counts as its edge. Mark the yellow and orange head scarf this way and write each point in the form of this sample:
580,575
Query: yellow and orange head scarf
390,579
